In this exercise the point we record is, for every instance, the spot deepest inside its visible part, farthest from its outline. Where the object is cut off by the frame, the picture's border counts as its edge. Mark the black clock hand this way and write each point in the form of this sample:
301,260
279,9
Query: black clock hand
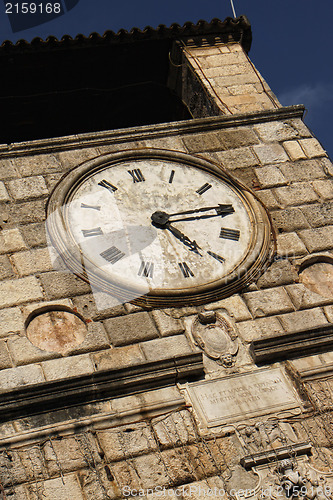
220,210
192,245
160,219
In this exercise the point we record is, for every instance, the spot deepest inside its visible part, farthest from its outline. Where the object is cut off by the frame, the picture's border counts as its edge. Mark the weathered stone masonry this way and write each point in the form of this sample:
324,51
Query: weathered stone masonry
155,438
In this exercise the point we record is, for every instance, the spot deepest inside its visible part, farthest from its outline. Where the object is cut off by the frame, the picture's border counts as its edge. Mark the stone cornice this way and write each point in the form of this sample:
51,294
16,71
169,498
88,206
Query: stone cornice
292,345
132,134
268,456
108,384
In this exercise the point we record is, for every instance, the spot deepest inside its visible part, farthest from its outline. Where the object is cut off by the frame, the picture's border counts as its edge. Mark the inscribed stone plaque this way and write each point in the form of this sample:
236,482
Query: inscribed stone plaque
243,396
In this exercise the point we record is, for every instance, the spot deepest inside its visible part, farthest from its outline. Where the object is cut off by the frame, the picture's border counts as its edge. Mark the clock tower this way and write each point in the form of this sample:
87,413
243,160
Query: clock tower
166,273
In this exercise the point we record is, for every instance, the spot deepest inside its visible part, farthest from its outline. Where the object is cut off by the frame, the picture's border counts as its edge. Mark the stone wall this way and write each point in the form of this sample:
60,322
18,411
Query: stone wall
155,438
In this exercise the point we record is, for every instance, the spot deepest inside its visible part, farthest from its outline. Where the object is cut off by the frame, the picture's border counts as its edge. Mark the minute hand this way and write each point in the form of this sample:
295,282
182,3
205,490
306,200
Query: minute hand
221,211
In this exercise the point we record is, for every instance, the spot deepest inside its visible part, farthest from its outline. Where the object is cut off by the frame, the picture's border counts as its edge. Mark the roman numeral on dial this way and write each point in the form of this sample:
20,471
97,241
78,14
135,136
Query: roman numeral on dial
112,254
93,207
146,269
216,256
185,269
108,185
172,174
203,188
96,231
136,175
229,234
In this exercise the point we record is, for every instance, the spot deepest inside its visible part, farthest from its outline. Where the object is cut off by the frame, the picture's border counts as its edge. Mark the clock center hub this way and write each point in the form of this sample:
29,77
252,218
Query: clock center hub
160,219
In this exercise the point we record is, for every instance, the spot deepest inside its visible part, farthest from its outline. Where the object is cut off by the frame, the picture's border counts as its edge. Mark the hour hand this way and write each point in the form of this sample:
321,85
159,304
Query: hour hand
192,245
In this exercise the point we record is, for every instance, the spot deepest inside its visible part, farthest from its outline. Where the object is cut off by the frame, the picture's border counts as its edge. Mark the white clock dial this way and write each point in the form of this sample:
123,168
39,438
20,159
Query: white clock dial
145,222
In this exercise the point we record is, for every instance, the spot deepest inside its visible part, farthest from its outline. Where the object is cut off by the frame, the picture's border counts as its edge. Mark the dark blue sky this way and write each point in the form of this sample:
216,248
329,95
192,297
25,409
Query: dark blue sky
292,41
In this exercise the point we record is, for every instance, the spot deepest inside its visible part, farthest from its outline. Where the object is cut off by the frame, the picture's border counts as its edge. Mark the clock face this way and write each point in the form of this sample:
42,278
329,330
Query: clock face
157,227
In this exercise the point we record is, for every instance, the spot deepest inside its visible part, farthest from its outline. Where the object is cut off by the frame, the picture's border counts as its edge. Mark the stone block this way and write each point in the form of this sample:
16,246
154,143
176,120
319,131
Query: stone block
166,348
28,212
328,310
166,324
98,483
317,239
296,194
71,366
126,442
246,176
172,142
259,328
165,469
205,488
119,357
303,298
12,472
28,188
237,158
11,241
6,270
169,494
289,219
230,70
32,261
280,272
267,198
312,148
4,196
270,176
244,99
238,137
89,306
126,476
209,141
234,306
66,487
319,214
206,51
327,166
300,126
294,150
5,361
275,131
70,453
303,320
11,321
175,429
95,340
268,302
8,170
29,308
306,363
37,164
289,244
13,292
130,329
226,59
305,170
57,285
33,461
34,234
23,352
324,188
14,378
226,81
246,88
70,159
272,153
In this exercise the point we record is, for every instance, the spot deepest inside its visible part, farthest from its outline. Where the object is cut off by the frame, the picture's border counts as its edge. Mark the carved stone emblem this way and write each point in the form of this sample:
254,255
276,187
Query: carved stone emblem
216,336
291,478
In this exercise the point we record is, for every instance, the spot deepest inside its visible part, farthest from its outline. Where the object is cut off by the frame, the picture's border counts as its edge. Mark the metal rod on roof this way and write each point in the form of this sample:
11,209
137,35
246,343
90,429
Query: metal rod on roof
233,8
